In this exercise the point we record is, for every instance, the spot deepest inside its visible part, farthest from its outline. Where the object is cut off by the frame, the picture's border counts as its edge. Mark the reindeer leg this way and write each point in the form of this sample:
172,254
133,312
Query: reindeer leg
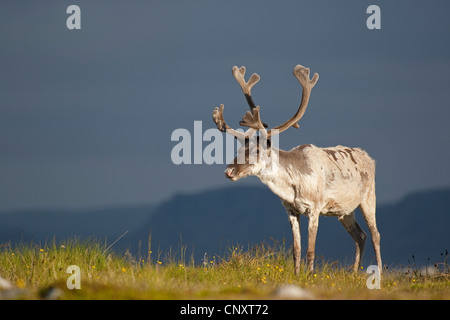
357,234
313,224
368,207
295,225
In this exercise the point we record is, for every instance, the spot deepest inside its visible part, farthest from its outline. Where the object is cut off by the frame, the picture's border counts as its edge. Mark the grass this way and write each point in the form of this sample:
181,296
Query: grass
241,274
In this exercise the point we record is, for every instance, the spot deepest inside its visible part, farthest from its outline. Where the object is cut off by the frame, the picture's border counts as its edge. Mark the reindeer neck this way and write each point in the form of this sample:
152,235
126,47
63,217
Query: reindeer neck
279,178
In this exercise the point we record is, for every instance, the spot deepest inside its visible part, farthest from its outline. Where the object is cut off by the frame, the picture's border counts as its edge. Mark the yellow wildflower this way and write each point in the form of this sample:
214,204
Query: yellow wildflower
20,283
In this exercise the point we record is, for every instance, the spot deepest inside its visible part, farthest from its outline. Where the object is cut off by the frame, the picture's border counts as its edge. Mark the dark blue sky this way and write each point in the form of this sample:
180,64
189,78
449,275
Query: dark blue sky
86,116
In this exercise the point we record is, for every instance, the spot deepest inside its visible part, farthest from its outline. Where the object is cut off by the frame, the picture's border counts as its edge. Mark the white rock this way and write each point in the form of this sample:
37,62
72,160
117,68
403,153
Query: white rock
5,284
291,291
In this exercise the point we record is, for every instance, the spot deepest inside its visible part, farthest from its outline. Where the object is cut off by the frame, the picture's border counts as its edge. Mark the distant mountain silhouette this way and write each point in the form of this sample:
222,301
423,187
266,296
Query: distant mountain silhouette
215,220
212,221
416,225
41,226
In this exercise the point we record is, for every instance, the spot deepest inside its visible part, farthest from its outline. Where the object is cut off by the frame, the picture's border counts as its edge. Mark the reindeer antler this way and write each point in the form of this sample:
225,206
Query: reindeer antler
219,120
252,118
246,86
302,75
222,126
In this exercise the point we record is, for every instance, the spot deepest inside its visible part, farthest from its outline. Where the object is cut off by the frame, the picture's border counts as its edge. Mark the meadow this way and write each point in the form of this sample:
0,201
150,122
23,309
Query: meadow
39,272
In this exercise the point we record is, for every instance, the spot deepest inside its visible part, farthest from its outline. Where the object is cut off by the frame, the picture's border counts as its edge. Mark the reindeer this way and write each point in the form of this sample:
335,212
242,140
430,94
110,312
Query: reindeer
309,180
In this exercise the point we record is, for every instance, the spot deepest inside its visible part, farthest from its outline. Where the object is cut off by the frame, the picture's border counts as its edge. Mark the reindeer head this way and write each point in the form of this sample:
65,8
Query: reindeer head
255,156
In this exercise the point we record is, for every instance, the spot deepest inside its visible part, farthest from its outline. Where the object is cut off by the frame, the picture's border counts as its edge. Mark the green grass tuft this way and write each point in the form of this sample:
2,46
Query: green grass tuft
241,274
